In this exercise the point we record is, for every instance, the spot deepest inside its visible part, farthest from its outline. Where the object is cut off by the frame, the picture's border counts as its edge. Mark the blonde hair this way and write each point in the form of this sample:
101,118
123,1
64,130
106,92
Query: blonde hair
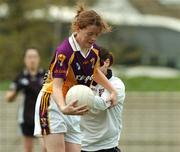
85,17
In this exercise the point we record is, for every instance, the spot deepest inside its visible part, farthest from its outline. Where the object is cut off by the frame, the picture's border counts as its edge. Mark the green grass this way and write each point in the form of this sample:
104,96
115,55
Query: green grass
151,84
4,85
136,84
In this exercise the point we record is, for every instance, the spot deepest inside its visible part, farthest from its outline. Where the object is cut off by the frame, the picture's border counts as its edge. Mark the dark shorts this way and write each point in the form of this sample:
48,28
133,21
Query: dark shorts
27,129
115,149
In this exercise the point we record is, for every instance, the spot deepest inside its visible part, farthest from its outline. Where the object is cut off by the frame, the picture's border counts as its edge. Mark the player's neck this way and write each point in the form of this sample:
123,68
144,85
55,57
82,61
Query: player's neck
85,51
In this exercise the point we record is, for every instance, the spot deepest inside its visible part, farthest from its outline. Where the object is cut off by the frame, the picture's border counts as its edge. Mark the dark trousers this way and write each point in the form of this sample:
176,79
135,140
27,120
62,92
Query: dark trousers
115,149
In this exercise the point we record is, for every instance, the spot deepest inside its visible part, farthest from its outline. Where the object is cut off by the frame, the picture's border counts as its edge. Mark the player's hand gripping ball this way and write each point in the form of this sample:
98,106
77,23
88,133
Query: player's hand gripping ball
82,93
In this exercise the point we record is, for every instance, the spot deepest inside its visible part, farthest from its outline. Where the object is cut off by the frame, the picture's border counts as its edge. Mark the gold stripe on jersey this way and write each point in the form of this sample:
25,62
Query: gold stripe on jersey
97,65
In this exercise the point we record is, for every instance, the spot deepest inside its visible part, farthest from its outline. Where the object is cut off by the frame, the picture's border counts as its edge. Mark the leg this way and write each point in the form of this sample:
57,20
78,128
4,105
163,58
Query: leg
71,147
43,146
49,122
28,144
54,142
27,131
73,136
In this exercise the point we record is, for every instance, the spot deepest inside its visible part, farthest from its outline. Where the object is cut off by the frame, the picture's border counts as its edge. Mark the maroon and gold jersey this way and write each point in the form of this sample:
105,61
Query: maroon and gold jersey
72,66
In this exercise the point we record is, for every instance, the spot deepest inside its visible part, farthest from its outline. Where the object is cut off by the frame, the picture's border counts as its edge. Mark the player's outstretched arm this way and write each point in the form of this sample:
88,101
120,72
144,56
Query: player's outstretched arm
100,78
10,95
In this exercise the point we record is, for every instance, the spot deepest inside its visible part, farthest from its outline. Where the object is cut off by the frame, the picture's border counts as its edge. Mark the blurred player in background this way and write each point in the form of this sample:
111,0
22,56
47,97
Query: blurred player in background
75,61
29,81
102,126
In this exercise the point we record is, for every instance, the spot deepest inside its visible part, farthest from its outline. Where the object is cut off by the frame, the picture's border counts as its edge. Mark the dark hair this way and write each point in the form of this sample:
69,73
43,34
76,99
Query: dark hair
105,54
85,17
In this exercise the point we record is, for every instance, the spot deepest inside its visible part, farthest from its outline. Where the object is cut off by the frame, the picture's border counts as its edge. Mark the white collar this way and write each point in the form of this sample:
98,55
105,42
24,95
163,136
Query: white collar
75,46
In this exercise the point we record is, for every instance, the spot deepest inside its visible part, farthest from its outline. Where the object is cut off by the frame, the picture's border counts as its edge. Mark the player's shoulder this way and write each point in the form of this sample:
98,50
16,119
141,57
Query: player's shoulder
64,48
117,82
22,75
96,48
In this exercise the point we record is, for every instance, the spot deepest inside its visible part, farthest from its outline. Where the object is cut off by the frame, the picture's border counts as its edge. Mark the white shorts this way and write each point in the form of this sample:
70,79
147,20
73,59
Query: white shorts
50,120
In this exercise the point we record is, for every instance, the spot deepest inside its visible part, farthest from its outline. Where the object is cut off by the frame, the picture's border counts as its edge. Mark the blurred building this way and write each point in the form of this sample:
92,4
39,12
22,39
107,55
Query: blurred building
147,32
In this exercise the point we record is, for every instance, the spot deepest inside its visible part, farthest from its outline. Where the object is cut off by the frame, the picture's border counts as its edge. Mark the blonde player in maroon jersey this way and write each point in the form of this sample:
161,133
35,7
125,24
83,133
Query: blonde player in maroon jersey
75,61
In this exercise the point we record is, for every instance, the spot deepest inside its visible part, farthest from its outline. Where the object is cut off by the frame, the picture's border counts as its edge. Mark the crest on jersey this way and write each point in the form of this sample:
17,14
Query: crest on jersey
61,58
24,81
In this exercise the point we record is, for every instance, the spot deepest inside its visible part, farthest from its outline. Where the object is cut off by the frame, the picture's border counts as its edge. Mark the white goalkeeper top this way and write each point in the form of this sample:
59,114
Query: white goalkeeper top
102,126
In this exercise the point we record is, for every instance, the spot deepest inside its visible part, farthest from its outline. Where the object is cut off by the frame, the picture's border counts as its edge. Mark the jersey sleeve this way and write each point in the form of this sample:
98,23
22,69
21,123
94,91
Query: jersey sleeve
101,103
120,87
16,84
61,65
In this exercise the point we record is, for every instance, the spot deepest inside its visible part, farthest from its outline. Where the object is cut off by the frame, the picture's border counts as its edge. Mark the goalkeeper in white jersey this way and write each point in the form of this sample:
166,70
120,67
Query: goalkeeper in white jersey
101,127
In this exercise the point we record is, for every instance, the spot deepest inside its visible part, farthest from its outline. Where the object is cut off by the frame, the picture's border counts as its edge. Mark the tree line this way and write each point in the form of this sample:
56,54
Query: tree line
17,33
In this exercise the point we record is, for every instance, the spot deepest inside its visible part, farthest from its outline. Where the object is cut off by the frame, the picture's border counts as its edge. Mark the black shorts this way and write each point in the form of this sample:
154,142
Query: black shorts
27,129
115,149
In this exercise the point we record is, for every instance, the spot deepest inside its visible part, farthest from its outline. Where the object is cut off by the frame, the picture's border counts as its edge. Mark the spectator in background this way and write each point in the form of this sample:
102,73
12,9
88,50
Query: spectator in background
29,81
102,126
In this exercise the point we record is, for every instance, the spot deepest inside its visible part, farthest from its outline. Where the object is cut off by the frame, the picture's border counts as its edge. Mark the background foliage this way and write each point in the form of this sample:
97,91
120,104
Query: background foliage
18,33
